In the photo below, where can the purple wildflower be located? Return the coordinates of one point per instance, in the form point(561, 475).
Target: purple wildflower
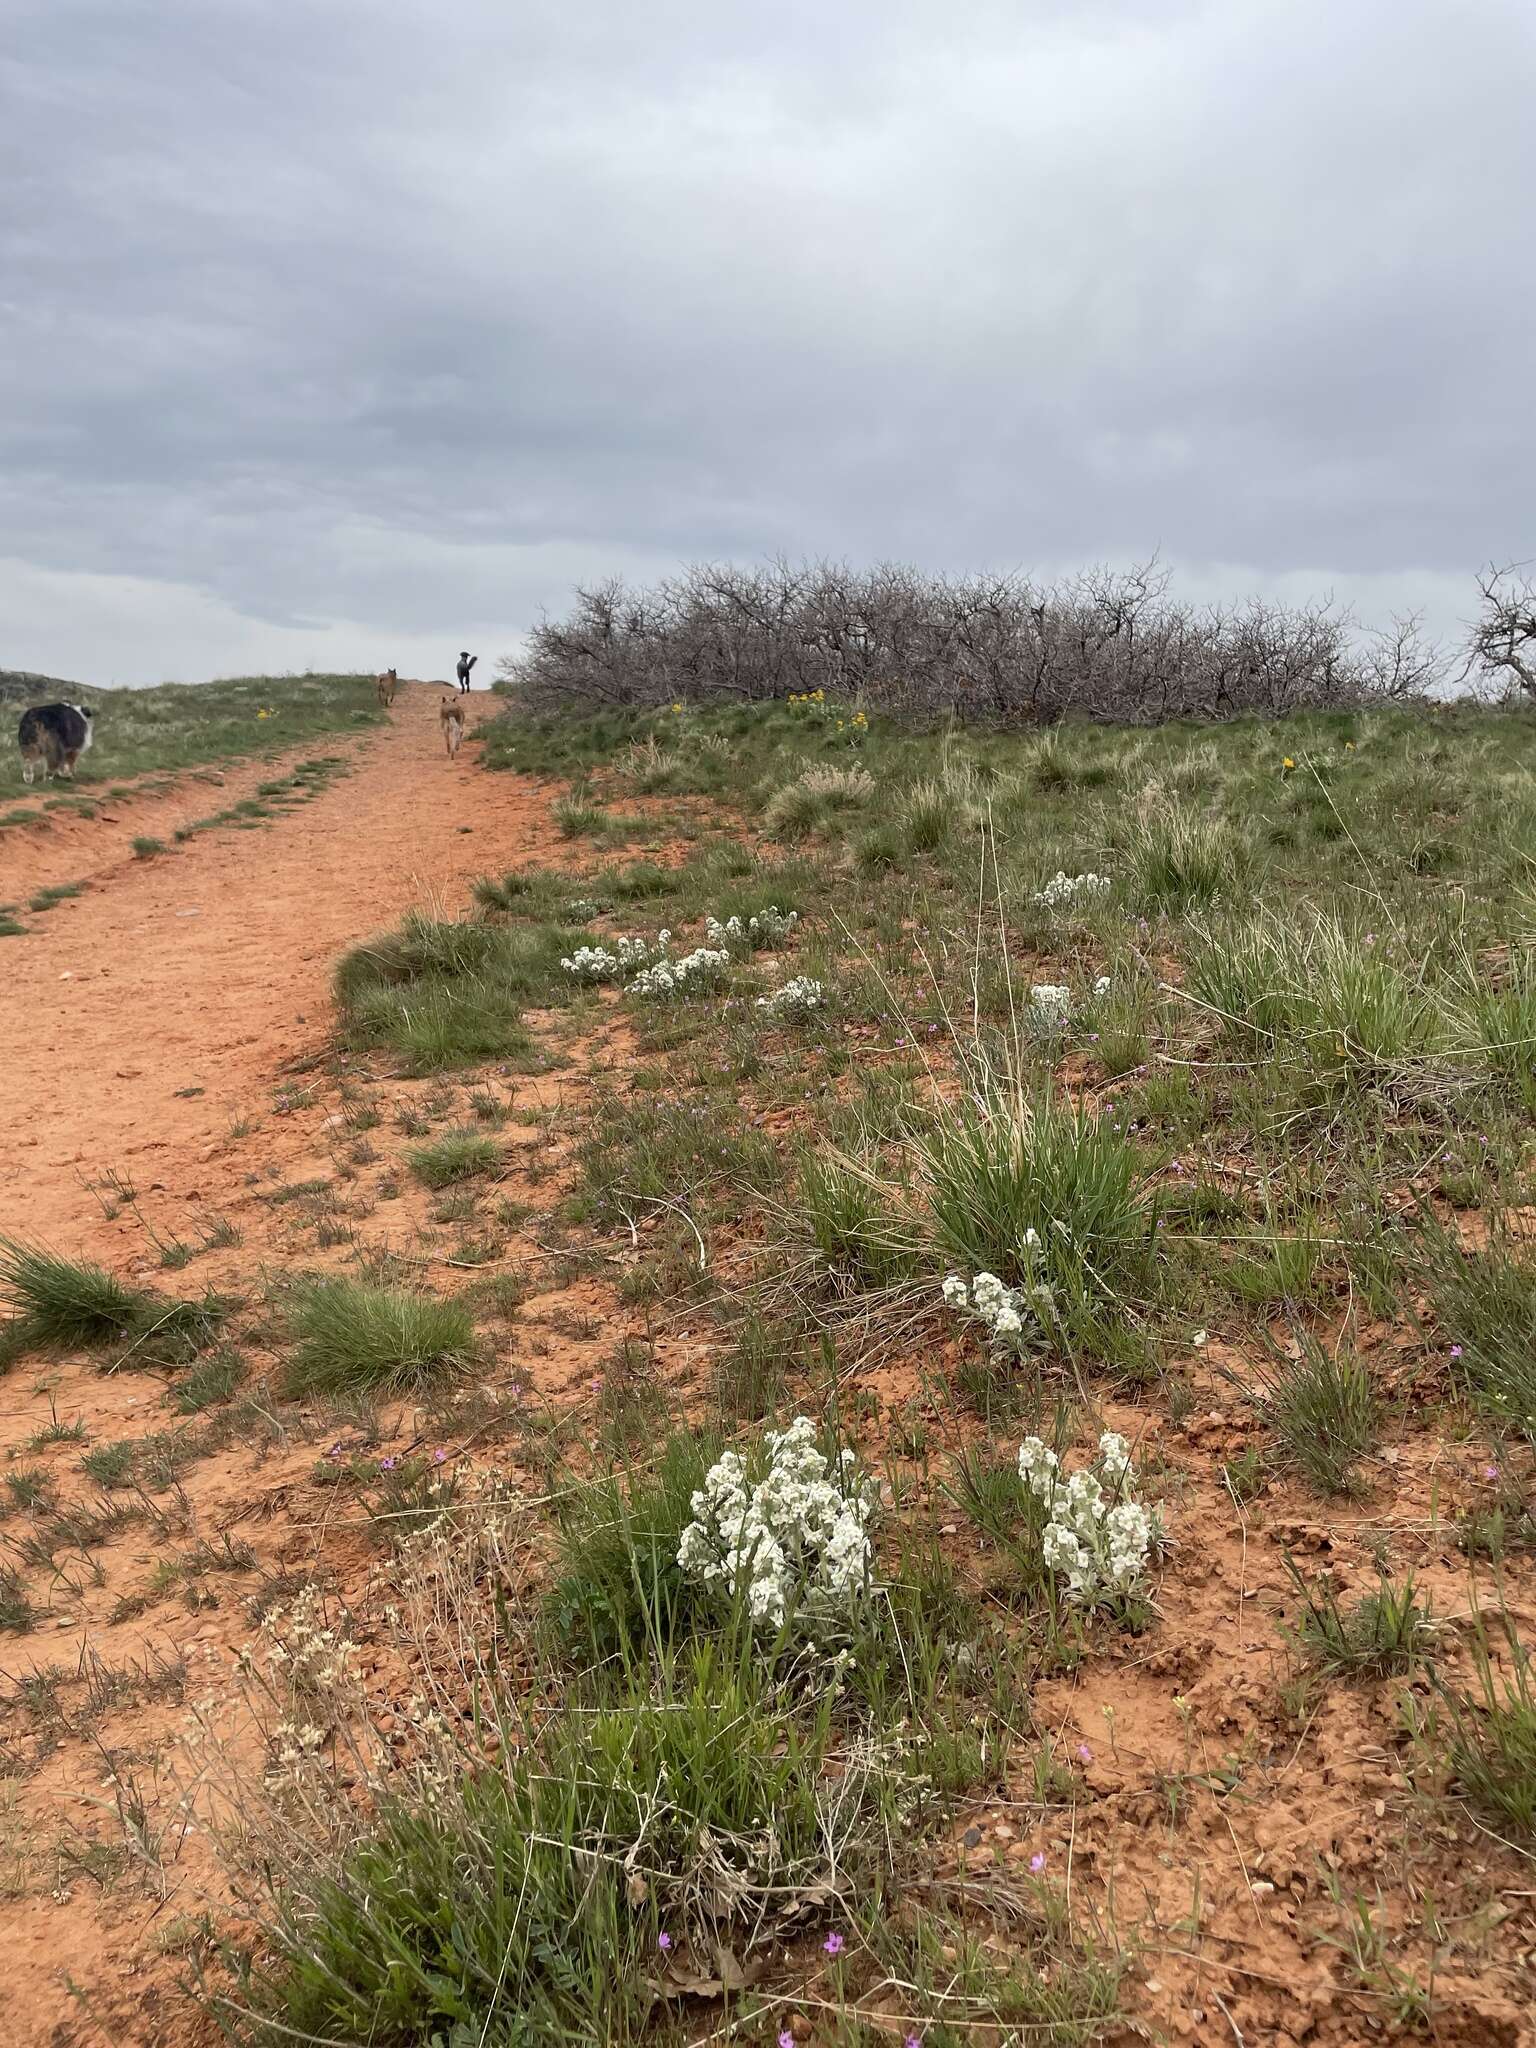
point(663, 1941)
point(833, 1944)
point(1037, 1862)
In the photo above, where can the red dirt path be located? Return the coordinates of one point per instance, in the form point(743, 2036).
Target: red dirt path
point(208, 968)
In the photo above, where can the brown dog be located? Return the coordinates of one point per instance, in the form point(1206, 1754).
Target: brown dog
point(452, 716)
point(385, 685)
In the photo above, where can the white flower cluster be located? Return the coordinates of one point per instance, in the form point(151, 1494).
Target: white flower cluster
point(770, 927)
point(1096, 1537)
point(1050, 1004)
point(794, 1546)
point(1103, 985)
point(602, 963)
point(592, 963)
point(1011, 1316)
point(1064, 889)
point(795, 998)
point(704, 967)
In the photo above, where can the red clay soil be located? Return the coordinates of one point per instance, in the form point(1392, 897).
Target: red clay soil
point(140, 1018)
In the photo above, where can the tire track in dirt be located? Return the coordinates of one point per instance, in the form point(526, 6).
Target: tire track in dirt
point(208, 970)
point(72, 848)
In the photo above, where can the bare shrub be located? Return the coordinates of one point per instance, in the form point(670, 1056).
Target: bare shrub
point(1503, 646)
point(1001, 649)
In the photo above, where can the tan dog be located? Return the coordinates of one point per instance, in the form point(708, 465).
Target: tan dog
point(452, 716)
point(385, 685)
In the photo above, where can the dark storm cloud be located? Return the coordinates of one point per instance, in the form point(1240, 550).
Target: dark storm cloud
point(365, 311)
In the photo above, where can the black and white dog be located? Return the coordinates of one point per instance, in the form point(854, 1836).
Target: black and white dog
point(55, 735)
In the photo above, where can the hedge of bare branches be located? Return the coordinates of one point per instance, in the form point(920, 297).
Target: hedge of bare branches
point(1104, 644)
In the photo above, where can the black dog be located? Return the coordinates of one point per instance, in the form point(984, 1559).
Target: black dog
point(55, 735)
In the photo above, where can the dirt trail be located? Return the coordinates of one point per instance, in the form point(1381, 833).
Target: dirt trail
point(207, 969)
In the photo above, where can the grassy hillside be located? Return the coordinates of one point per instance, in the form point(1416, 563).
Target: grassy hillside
point(1172, 1083)
point(186, 725)
point(1086, 1180)
point(21, 686)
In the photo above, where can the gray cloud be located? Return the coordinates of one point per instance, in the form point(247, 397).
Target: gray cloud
point(369, 325)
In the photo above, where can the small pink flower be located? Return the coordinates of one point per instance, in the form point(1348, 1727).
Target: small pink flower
point(388, 1464)
point(1037, 1862)
point(1085, 1753)
point(439, 1457)
point(786, 2039)
point(1455, 1351)
point(833, 1944)
point(1490, 1471)
point(663, 1942)
point(913, 2041)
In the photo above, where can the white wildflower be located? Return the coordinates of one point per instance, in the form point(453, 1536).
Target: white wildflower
point(1051, 1003)
point(703, 968)
point(592, 964)
point(769, 927)
point(1096, 1536)
point(794, 1547)
point(603, 963)
point(1063, 890)
point(1013, 1317)
point(1103, 985)
point(796, 998)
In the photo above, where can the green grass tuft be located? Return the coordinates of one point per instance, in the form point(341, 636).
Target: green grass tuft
point(1322, 1407)
point(1000, 1165)
point(458, 1155)
point(354, 1338)
point(69, 1302)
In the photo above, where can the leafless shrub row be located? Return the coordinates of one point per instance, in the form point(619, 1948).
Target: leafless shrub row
point(1104, 644)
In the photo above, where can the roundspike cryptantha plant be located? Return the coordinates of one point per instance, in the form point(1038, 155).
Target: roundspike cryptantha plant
point(796, 998)
point(1063, 891)
point(704, 968)
point(612, 963)
point(1097, 1539)
point(1015, 1319)
point(794, 1548)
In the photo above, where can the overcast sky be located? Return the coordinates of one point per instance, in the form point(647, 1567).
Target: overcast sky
point(336, 333)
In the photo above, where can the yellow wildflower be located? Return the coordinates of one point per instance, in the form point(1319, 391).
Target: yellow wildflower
point(1287, 763)
point(677, 707)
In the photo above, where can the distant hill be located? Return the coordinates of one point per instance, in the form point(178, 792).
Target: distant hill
point(19, 686)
